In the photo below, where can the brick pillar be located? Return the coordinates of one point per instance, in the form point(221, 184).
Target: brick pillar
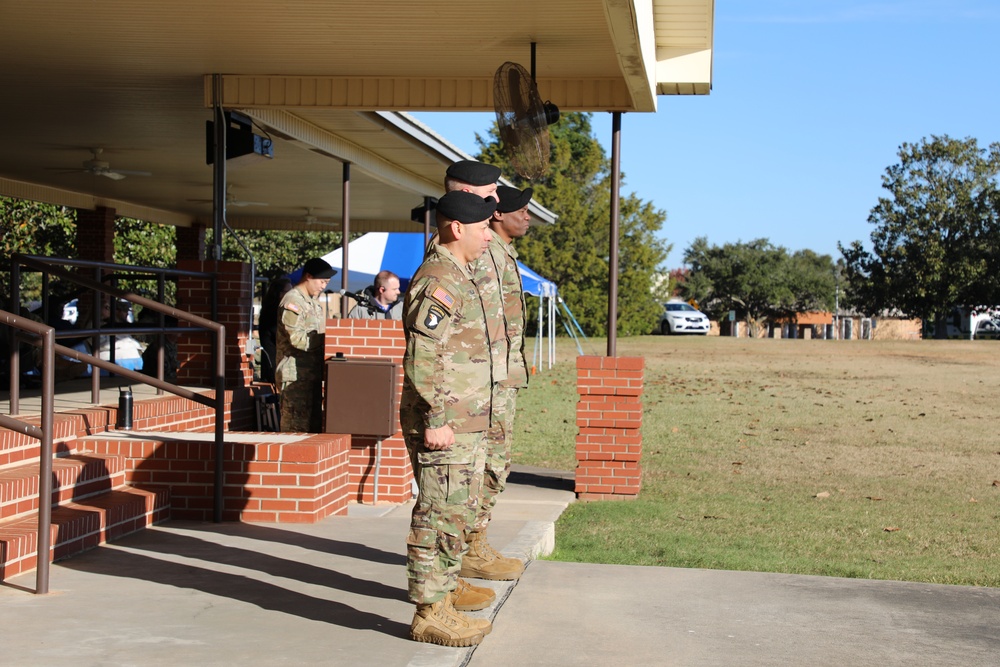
point(235, 299)
point(381, 339)
point(609, 418)
point(95, 234)
point(191, 243)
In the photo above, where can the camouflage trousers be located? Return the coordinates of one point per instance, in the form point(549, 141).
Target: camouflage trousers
point(449, 494)
point(499, 443)
point(300, 406)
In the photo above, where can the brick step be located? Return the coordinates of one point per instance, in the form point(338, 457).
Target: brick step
point(17, 448)
point(273, 477)
point(162, 413)
point(83, 525)
point(76, 477)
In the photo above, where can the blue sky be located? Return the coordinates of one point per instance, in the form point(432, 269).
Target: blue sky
point(811, 100)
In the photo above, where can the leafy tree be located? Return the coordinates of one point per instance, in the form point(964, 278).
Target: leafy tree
point(141, 243)
point(677, 279)
point(35, 228)
point(32, 228)
point(574, 253)
point(276, 253)
point(758, 280)
point(812, 280)
point(935, 240)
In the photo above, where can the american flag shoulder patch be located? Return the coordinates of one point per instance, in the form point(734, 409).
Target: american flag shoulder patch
point(443, 296)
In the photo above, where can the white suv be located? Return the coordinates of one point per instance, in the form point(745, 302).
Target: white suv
point(680, 318)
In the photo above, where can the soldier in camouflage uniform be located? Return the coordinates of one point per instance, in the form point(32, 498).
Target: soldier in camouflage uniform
point(299, 350)
point(445, 414)
point(499, 280)
point(482, 560)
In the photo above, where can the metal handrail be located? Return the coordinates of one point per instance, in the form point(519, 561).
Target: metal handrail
point(54, 266)
point(44, 434)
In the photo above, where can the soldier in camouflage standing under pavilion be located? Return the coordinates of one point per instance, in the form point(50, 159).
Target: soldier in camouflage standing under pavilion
point(299, 350)
point(444, 414)
point(501, 294)
point(499, 282)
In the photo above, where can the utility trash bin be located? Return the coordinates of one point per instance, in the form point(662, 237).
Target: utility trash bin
point(361, 396)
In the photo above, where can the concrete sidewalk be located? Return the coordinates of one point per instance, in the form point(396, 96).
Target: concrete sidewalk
point(333, 593)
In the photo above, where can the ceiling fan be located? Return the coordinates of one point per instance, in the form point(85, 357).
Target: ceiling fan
point(99, 167)
point(311, 219)
point(231, 200)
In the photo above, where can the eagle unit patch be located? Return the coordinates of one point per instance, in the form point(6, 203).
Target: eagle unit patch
point(435, 314)
point(443, 296)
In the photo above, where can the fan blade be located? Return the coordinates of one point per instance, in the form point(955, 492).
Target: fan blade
point(113, 175)
point(129, 172)
point(522, 120)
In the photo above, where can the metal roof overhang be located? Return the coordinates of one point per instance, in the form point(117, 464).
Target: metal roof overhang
point(324, 78)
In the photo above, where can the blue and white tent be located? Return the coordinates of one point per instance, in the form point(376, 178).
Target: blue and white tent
point(402, 253)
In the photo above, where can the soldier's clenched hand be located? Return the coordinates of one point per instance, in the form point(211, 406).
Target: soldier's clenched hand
point(437, 439)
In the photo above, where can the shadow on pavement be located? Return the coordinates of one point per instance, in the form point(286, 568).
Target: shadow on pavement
point(315, 543)
point(128, 564)
point(191, 547)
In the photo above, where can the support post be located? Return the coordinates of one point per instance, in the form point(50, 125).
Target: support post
point(344, 242)
point(218, 169)
point(616, 141)
point(427, 221)
point(609, 421)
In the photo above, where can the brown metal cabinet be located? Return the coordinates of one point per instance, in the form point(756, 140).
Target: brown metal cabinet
point(361, 396)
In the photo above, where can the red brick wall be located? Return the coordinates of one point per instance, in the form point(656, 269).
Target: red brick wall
point(298, 481)
point(95, 234)
point(235, 299)
point(609, 419)
point(374, 339)
point(191, 243)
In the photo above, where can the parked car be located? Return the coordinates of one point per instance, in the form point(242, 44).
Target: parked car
point(974, 323)
point(683, 318)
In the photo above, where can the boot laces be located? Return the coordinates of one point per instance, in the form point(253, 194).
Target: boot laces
point(487, 550)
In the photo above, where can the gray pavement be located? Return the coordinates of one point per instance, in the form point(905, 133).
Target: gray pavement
point(333, 593)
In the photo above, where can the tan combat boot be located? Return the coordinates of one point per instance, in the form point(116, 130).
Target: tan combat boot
point(482, 561)
point(482, 624)
point(439, 623)
point(467, 597)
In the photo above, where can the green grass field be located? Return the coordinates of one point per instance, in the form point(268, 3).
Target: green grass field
point(873, 459)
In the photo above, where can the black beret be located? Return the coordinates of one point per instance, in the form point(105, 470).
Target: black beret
point(474, 173)
point(318, 267)
point(512, 199)
point(465, 207)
